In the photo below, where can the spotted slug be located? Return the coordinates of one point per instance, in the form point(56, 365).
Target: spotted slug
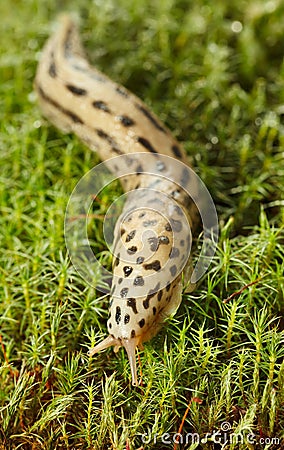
point(153, 234)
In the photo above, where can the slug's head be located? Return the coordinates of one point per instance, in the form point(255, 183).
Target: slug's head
point(130, 347)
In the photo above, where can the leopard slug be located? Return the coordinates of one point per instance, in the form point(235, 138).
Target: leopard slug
point(153, 234)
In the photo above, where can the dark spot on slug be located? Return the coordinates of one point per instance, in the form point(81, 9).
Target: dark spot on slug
point(126, 121)
point(52, 70)
point(146, 144)
point(154, 243)
point(154, 310)
point(110, 140)
point(118, 315)
point(143, 214)
point(132, 250)
point(146, 303)
point(76, 90)
point(130, 236)
point(133, 333)
point(160, 166)
point(153, 292)
point(155, 265)
point(140, 260)
point(159, 296)
point(122, 231)
point(149, 223)
point(124, 292)
point(168, 227)
point(173, 270)
point(141, 323)
point(139, 169)
point(66, 112)
point(120, 280)
point(74, 117)
point(164, 240)
point(131, 302)
point(68, 42)
point(129, 160)
point(139, 281)
point(174, 253)
point(185, 177)
point(99, 104)
point(168, 287)
point(120, 90)
point(117, 260)
point(102, 134)
point(127, 270)
point(150, 117)
point(176, 225)
point(109, 325)
point(182, 242)
point(175, 193)
point(176, 151)
point(150, 295)
point(178, 210)
point(126, 319)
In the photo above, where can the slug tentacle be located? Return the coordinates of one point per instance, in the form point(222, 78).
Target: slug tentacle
point(106, 343)
point(152, 237)
point(130, 346)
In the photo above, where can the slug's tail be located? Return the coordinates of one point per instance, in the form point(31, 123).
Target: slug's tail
point(130, 347)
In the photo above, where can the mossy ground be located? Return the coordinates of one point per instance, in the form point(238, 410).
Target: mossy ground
point(213, 72)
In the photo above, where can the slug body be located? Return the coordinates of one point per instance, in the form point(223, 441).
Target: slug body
point(152, 237)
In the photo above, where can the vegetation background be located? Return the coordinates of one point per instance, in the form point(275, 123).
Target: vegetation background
point(213, 72)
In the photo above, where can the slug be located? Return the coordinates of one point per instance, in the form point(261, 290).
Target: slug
point(153, 235)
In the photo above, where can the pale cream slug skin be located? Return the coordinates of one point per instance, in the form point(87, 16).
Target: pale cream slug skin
point(147, 268)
